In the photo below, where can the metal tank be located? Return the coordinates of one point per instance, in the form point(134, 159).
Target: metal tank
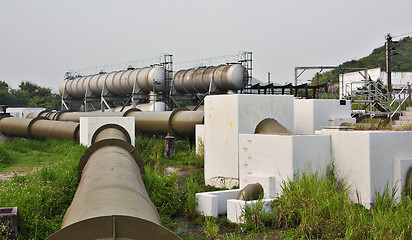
point(225, 78)
point(119, 83)
point(111, 201)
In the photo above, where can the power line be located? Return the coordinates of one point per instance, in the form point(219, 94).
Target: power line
point(409, 33)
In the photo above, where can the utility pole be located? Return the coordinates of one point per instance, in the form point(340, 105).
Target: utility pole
point(268, 78)
point(388, 64)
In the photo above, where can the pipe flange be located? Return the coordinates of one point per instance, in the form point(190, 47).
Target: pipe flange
point(29, 135)
point(112, 125)
point(109, 142)
point(170, 122)
point(76, 133)
point(40, 113)
point(131, 110)
point(56, 117)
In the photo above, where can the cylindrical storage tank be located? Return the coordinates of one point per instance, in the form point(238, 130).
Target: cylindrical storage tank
point(62, 86)
point(119, 83)
point(188, 81)
point(200, 86)
point(97, 82)
point(113, 83)
point(178, 81)
point(147, 77)
point(230, 77)
point(226, 77)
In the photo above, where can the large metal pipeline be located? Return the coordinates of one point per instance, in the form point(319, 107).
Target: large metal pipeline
point(39, 128)
point(119, 83)
point(180, 122)
point(111, 201)
point(225, 77)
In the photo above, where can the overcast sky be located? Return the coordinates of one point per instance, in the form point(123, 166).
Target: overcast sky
point(41, 40)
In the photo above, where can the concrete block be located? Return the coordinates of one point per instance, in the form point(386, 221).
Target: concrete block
point(88, 125)
point(214, 203)
point(370, 160)
point(281, 157)
point(313, 114)
point(23, 112)
point(268, 183)
point(235, 208)
point(200, 132)
point(9, 222)
point(227, 116)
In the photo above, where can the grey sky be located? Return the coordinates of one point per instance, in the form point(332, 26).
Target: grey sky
point(40, 40)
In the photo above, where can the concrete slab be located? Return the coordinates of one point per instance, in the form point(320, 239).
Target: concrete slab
point(235, 208)
point(214, 203)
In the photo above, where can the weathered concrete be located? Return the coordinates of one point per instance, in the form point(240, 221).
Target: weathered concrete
point(227, 116)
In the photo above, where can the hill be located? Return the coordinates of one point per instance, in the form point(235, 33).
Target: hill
point(401, 61)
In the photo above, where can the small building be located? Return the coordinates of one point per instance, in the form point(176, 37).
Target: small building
point(23, 112)
point(350, 82)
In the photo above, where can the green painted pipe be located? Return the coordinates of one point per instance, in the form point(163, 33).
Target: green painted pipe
point(111, 201)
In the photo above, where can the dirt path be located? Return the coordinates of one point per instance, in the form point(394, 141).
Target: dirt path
point(10, 175)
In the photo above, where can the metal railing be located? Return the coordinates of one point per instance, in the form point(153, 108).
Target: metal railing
point(401, 97)
point(368, 97)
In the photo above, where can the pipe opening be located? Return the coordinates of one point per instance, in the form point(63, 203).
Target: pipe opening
point(251, 192)
point(270, 126)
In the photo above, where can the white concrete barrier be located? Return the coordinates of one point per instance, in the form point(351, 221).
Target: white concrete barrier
point(227, 116)
point(214, 203)
point(313, 114)
point(235, 208)
point(280, 157)
point(23, 112)
point(88, 125)
point(371, 160)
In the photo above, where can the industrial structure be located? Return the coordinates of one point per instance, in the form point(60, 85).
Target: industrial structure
point(157, 82)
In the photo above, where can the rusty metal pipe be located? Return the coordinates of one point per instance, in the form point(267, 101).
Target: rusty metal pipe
point(111, 201)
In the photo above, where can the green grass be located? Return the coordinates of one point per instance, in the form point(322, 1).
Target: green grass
point(311, 206)
point(42, 196)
